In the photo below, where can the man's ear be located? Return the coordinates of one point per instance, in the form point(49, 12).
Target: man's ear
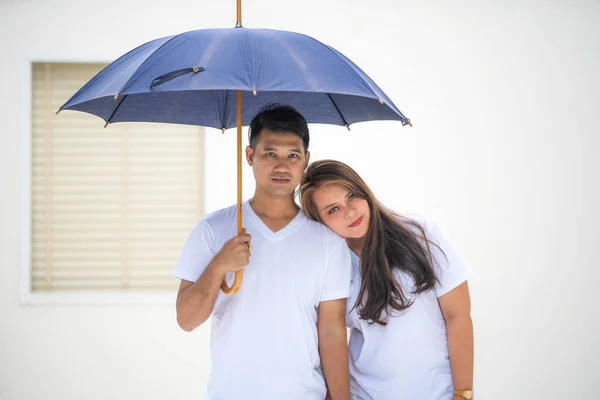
point(306, 159)
point(249, 155)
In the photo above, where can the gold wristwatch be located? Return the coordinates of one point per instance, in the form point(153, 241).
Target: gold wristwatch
point(467, 394)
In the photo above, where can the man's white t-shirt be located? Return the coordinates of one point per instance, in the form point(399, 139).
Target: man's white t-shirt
point(264, 341)
point(408, 358)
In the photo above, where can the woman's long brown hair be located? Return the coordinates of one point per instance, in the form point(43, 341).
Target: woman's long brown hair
point(393, 243)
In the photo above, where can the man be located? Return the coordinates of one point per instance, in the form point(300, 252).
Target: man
point(285, 327)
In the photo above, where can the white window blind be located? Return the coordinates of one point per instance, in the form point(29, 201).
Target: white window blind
point(111, 207)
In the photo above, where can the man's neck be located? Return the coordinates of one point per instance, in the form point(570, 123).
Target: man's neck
point(274, 208)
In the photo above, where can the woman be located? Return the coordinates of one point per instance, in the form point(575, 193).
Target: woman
point(409, 312)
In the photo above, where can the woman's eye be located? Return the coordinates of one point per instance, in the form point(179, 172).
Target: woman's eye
point(352, 196)
point(332, 210)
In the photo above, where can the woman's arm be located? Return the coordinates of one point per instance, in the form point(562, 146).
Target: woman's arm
point(456, 309)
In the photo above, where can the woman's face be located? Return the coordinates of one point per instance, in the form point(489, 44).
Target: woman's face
point(343, 212)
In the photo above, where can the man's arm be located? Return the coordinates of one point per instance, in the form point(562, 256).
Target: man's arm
point(333, 347)
point(456, 308)
point(195, 300)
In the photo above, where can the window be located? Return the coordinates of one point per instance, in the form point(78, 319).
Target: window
point(110, 207)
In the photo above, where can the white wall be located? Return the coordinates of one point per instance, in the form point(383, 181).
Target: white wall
point(504, 97)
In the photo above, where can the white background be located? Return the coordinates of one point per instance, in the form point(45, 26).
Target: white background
point(504, 97)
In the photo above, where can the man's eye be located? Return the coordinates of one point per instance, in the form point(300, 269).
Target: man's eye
point(294, 155)
point(271, 154)
point(332, 210)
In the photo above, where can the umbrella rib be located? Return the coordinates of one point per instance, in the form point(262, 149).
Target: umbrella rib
point(121, 99)
point(358, 71)
point(225, 114)
point(337, 109)
point(111, 66)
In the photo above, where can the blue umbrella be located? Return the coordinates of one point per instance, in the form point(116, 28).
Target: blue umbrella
point(192, 78)
point(203, 77)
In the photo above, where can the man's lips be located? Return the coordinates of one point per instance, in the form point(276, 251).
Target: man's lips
point(356, 223)
point(280, 180)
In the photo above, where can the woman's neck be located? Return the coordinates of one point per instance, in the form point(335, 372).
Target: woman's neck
point(356, 245)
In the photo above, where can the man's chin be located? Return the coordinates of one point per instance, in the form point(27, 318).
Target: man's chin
point(280, 192)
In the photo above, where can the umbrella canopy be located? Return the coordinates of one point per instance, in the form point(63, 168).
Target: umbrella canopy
point(192, 78)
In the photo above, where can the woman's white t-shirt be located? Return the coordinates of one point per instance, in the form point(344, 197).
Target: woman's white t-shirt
point(407, 358)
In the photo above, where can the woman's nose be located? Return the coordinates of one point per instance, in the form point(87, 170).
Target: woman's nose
point(349, 213)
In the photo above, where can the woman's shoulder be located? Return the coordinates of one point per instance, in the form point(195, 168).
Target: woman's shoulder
point(421, 225)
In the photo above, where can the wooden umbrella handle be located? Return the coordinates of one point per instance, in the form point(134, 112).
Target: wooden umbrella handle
point(236, 284)
point(238, 274)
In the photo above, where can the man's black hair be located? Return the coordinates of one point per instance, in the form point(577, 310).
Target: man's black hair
point(281, 119)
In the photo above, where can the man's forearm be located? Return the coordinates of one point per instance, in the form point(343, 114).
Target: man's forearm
point(334, 362)
point(195, 303)
point(460, 348)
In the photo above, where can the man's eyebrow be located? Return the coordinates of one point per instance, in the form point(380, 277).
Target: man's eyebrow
point(295, 150)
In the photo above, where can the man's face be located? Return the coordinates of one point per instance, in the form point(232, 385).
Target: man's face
point(278, 162)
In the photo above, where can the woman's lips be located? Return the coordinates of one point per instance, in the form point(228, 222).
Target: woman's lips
point(356, 223)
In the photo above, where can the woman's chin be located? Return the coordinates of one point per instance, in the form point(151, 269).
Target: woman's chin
point(352, 235)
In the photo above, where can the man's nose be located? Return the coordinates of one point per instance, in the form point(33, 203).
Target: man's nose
point(282, 166)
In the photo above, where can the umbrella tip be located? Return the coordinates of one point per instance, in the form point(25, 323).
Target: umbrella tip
point(254, 92)
point(222, 131)
point(409, 124)
point(57, 111)
point(106, 124)
point(116, 96)
point(348, 127)
point(380, 101)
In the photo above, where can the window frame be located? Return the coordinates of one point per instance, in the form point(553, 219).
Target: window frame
point(27, 296)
